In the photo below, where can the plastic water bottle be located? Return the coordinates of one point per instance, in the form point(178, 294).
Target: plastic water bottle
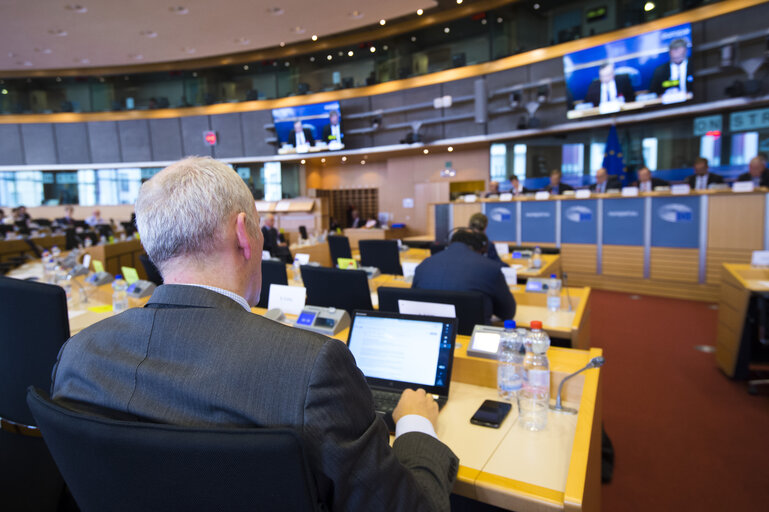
point(534, 398)
point(553, 293)
point(536, 258)
point(55, 252)
point(297, 271)
point(119, 295)
point(510, 362)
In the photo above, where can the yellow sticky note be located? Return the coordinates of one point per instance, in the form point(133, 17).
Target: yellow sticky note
point(101, 309)
point(346, 263)
point(130, 275)
point(97, 266)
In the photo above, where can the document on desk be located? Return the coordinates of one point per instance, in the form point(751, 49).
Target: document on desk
point(415, 307)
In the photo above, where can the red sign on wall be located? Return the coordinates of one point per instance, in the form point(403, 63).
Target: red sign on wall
point(210, 138)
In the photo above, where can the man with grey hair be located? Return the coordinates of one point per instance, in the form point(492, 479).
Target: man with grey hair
point(196, 355)
point(757, 172)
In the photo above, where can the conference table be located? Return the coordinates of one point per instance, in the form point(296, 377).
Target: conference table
point(11, 248)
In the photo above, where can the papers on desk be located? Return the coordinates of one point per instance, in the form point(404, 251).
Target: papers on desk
point(502, 248)
point(511, 275)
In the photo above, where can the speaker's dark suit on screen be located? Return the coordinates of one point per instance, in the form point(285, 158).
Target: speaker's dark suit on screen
point(624, 89)
point(307, 137)
point(192, 356)
point(460, 268)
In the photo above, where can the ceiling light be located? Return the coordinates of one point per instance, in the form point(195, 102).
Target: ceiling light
point(275, 63)
point(58, 79)
point(344, 159)
point(341, 53)
point(323, 160)
point(194, 74)
point(459, 1)
point(314, 37)
point(242, 40)
point(4, 91)
point(413, 39)
point(275, 11)
point(500, 20)
point(149, 33)
point(329, 57)
point(363, 162)
point(372, 49)
point(420, 12)
point(178, 9)
point(350, 53)
point(382, 22)
point(46, 51)
point(302, 162)
point(425, 151)
point(649, 6)
point(356, 15)
point(189, 50)
point(484, 21)
point(245, 67)
point(57, 32)
point(282, 44)
point(446, 30)
point(450, 149)
point(76, 8)
point(312, 59)
point(536, 7)
point(385, 47)
point(287, 64)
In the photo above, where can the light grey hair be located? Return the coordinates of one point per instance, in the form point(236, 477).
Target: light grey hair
point(184, 209)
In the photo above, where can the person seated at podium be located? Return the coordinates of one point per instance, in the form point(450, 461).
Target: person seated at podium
point(646, 183)
point(478, 223)
point(702, 179)
point(204, 359)
point(275, 242)
point(516, 187)
point(332, 131)
point(609, 87)
point(95, 219)
point(300, 136)
point(373, 223)
point(68, 219)
point(604, 182)
point(463, 267)
point(493, 190)
point(556, 187)
point(757, 172)
point(355, 219)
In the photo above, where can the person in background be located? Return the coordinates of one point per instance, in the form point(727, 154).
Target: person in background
point(757, 172)
point(355, 220)
point(68, 219)
point(610, 87)
point(604, 182)
point(332, 131)
point(21, 215)
point(95, 219)
point(493, 189)
point(274, 241)
point(204, 359)
point(556, 187)
point(702, 179)
point(478, 223)
point(300, 136)
point(462, 267)
point(646, 183)
point(333, 225)
point(372, 223)
point(673, 75)
point(516, 187)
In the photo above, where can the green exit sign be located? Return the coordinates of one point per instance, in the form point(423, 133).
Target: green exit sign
point(596, 14)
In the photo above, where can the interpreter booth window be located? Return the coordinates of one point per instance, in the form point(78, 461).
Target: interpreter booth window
point(573, 159)
point(60, 187)
point(597, 150)
point(744, 147)
point(710, 149)
point(86, 187)
point(21, 188)
point(498, 170)
point(649, 149)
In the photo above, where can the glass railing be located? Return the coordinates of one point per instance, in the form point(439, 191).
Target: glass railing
point(483, 37)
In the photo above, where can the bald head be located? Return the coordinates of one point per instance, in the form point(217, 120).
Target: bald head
point(600, 175)
point(757, 166)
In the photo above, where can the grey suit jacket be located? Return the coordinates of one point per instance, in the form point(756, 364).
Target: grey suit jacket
point(195, 357)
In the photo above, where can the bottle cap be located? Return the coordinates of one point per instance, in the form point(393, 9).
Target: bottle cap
point(553, 276)
point(118, 277)
point(536, 324)
point(509, 324)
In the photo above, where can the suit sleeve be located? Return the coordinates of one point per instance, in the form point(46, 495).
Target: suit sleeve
point(348, 446)
point(502, 300)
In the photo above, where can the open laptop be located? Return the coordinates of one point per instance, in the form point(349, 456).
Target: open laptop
point(397, 352)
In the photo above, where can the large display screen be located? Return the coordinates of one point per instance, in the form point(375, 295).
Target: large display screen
point(629, 74)
point(309, 128)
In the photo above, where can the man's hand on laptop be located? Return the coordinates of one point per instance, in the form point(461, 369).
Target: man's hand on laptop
point(417, 402)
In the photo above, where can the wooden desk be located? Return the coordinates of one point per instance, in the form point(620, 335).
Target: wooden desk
point(738, 283)
point(319, 253)
point(14, 248)
point(357, 234)
point(117, 255)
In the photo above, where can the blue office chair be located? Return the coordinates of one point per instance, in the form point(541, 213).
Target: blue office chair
point(337, 288)
point(273, 272)
point(382, 254)
point(35, 325)
point(339, 247)
point(112, 463)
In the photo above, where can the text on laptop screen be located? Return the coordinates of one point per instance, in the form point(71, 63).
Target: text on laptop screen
point(412, 351)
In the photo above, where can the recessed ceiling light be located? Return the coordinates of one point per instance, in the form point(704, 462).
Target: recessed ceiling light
point(350, 53)
point(323, 160)
point(363, 162)
point(382, 22)
point(459, 1)
point(194, 74)
point(450, 149)
point(275, 11)
point(282, 44)
point(536, 7)
point(484, 21)
point(4, 91)
point(446, 30)
point(500, 20)
point(341, 53)
point(372, 49)
point(80, 9)
point(314, 37)
point(189, 50)
point(245, 67)
point(287, 64)
point(649, 6)
point(149, 33)
point(298, 30)
point(413, 39)
point(344, 159)
point(312, 59)
point(302, 162)
point(275, 63)
point(420, 12)
point(425, 151)
point(329, 57)
point(57, 32)
point(242, 40)
point(58, 79)
point(385, 47)
point(179, 9)
point(356, 15)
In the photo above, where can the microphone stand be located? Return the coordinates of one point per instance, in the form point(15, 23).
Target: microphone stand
point(565, 287)
point(596, 362)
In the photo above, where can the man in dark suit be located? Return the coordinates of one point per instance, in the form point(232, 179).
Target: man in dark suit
point(646, 183)
point(757, 172)
point(274, 243)
point(604, 182)
point(332, 131)
point(556, 187)
point(196, 355)
point(610, 87)
point(675, 75)
point(516, 188)
point(462, 267)
point(702, 179)
point(300, 136)
point(478, 223)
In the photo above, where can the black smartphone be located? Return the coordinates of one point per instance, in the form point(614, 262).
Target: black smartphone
point(491, 413)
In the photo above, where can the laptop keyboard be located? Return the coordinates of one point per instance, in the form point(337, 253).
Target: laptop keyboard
point(385, 401)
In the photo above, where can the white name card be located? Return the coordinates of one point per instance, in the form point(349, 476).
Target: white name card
point(583, 193)
point(629, 191)
point(760, 259)
point(542, 194)
point(511, 275)
point(87, 261)
point(743, 186)
point(681, 189)
point(471, 198)
point(414, 307)
point(289, 299)
point(609, 107)
point(301, 258)
point(409, 268)
point(507, 196)
point(502, 248)
point(266, 255)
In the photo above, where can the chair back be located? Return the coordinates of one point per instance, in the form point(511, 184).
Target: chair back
point(121, 465)
point(436, 247)
point(337, 288)
point(273, 272)
point(382, 254)
point(35, 325)
point(153, 274)
point(470, 306)
point(339, 247)
point(303, 232)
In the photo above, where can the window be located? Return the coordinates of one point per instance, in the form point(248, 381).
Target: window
point(649, 148)
point(498, 171)
point(272, 186)
point(573, 159)
point(597, 150)
point(710, 148)
point(744, 147)
point(519, 161)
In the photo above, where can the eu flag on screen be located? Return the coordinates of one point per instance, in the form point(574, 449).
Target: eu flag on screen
point(612, 156)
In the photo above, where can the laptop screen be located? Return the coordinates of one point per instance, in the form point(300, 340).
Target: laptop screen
point(403, 351)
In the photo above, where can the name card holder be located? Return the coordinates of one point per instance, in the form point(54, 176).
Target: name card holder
point(542, 195)
point(629, 191)
point(507, 196)
point(681, 189)
point(583, 193)
point(760, 259)
point(289, 299)
point(743, 186)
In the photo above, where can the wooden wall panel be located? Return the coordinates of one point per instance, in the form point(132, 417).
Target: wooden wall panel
point(463, 212)
point(579, 258)
point(679, 265)
point(736, 221)
point(717, 257)
point(622, 261)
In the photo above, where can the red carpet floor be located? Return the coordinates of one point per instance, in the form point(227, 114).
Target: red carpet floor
point(685, 436)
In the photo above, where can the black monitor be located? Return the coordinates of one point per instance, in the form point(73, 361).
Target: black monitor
point(332, 287)
point(104, 230)
point(382, 254)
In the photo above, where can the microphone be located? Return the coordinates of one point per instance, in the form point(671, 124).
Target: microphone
point(564, 277)
point(596, 362)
